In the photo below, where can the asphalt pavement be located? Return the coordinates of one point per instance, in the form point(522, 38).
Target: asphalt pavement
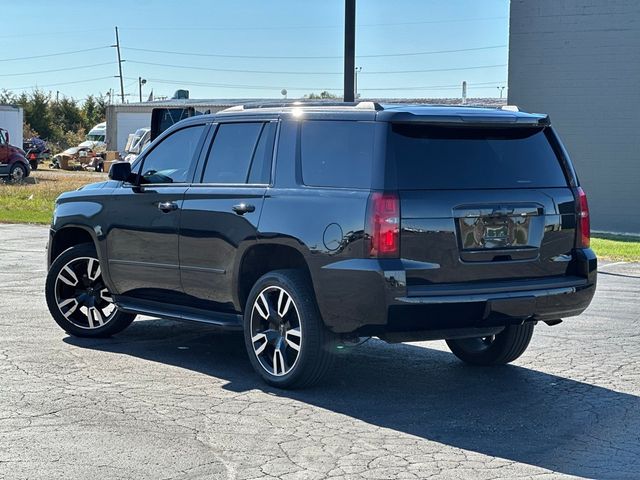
point(167, 400)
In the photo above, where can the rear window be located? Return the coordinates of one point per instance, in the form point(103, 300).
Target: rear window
point(437, 157)
point(337, 153)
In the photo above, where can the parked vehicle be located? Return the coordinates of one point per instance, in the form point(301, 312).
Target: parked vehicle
point(96, 138)
point(310, 226)
point(14, 167)
point(36, 151)
point(83, 154)
point(12, 120)
point(136, 142)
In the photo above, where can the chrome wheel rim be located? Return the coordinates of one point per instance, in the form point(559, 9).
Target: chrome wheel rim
point(81, 295)
point(276, 331)
point(17, 174)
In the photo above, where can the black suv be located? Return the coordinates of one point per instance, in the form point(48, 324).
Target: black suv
point(311, 226)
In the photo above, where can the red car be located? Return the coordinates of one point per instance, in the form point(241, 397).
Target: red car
point(13, 164)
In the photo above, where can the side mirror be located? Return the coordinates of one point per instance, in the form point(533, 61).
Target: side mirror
point(120, 171)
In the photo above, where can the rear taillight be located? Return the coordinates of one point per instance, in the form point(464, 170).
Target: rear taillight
point(583, 237)
point(383, 216)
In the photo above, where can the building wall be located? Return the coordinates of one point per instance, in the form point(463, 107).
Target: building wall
point(579, 61)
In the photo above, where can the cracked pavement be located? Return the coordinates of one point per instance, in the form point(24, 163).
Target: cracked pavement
point(166, 400)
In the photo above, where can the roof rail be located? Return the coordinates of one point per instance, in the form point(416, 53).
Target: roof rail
point(305, 103)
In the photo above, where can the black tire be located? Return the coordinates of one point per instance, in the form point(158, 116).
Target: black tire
point(314, 356)
point(17, 173)
point(499, 349)
point(88, 293)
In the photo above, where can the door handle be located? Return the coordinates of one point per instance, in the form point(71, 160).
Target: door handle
point(243, 208)
point(167, 207)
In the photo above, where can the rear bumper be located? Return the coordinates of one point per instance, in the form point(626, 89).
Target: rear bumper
point(370, 296)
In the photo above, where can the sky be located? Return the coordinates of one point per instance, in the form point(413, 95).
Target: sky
point(254, 48)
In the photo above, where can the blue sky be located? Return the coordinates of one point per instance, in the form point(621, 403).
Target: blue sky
point(470, 34)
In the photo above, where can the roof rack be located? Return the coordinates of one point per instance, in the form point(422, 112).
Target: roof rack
point(304, 103)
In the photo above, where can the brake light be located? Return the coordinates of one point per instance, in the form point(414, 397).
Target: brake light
point(384, 224)
point(584, 225)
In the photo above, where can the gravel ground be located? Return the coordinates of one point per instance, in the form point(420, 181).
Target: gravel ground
point(177, 400)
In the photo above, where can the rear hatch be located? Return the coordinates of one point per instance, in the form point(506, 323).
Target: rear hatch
point(486, 203)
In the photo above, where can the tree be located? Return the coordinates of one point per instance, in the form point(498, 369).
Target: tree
point(93, 110)
point(63, 123)
point(37, 113)
point(324, 95)
point(67, 116)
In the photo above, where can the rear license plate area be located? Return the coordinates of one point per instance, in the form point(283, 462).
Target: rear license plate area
point(488, 233)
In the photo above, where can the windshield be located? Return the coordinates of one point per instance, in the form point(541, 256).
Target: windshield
point(95, 138)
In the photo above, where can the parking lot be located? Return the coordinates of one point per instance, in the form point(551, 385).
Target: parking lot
point(177, 400)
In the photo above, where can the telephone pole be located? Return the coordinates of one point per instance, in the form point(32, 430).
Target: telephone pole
point(349, 50)
point(117, 45)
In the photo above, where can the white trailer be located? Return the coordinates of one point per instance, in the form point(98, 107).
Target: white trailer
point(11, 119)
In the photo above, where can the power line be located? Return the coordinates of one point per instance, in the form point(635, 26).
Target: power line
point(315, 57)
point(297, 27)
point(54, 33)
point(52, 54)
point(59, 84)
point(272, 87)
point(297, 72)
point(56, 70)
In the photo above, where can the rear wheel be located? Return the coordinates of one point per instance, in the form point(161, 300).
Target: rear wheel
point(287, 342)
point(498, 349)
point(77, 297)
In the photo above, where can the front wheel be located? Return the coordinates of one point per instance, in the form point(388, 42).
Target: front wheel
point(287, 342)
point(17, 173)
point(498, 349)
point(77, 297)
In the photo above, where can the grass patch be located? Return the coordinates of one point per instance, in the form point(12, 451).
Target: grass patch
point(616, 247)
point(33, 203)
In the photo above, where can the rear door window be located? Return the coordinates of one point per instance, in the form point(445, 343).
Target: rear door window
point(241, 153)
point(443, 157)
point(337, 153)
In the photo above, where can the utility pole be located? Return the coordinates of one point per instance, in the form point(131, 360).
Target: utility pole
point(349, 50)
point(501, 89)
point(141, 81)
point(355, 86)
point(117, 45)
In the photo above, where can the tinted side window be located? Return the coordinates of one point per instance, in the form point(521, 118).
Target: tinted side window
point(261, 164)
point(437, 157)
point(171, 160)
point(337, 153)
point(230, 156)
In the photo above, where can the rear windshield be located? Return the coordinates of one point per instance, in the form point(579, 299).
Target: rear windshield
point(437, 157)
